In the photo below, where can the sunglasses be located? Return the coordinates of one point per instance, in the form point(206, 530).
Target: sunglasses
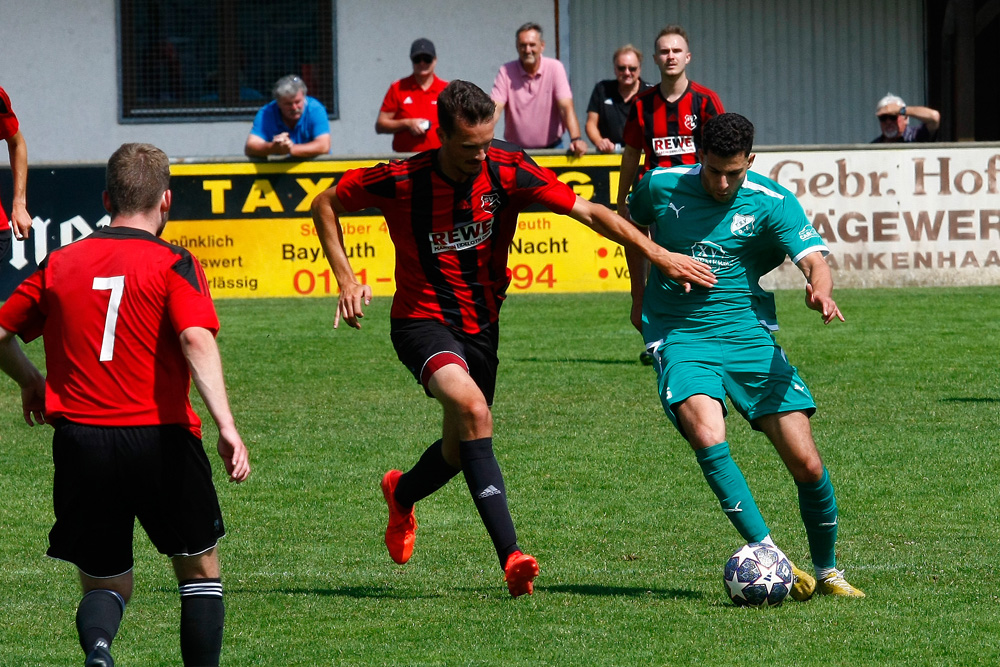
point(888, 116)
point(421, 59)
point(622, 68)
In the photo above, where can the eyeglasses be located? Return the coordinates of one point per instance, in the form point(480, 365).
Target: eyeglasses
point(887, 116)
point(630, 68)
point(425, 59)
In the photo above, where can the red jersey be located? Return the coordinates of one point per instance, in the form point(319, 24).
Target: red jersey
point(452, 239)
point(406, 99)
point(669, 133)
point(110, 308)
point(8, 128)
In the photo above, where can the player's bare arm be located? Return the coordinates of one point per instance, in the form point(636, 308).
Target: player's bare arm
point(14, 363)
point(202, 354)
point(17, 148)
point(819, 288)
point(326, 209)
point(638, 269)
point(682, 269)
point(626, 175)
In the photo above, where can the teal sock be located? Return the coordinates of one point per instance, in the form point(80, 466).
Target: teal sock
point(818, 507)
point(730, 487)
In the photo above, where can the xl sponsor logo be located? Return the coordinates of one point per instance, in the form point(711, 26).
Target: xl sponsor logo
point(666, 146)
point(461, 238)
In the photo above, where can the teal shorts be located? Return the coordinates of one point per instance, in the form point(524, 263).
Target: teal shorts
point(749, 367)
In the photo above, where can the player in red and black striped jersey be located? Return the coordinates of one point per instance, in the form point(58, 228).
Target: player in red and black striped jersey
point(127, 322)
point(451, 213)
point(666, 121)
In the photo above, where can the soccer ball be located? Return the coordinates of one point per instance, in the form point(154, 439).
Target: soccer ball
point(758, 575)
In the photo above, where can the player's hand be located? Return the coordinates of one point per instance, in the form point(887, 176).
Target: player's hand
point(349, 305)
point(33, 403)
point(234, 454)
point(605, 145)
point(684, 270)
point(635, 317)
point(824, 304)
point(20, 222)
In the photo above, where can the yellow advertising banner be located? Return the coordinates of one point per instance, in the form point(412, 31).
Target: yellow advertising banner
point(278, 257)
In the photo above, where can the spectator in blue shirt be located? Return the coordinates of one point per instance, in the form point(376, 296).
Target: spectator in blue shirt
point(293, 124)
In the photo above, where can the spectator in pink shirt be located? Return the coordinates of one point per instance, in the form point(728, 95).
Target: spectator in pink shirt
point(534, 94)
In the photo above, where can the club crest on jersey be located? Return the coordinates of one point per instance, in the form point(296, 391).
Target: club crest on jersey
point(666, 146)
point(490, 202)
point(468, 236)
point(691, 121)
point(712, 254)
point(742, 225)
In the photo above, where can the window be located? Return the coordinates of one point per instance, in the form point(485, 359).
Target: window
point(205, 59)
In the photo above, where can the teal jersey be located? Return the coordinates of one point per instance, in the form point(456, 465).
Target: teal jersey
point(740, 241)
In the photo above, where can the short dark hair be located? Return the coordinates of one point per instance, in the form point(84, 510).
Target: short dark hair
point(672, 29)
point(137, 176)
point(461, 99)
point(727, 135)
point(526, 27)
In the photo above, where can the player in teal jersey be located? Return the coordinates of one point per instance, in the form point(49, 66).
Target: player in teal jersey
point(712, 342)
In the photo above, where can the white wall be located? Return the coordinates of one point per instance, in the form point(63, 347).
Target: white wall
point(60, 70)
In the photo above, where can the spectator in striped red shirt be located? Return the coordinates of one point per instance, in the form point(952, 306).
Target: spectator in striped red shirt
point(665, 122)
point(451, 213)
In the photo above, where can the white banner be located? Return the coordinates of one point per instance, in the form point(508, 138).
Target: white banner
point(897, 217)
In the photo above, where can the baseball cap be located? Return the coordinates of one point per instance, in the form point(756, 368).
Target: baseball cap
point(887, 100)
point(422, 47)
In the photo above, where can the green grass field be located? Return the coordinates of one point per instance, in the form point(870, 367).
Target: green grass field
point(605, 494)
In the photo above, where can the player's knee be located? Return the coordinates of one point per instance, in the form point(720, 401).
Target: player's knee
point(807, 471)
point(475, 412)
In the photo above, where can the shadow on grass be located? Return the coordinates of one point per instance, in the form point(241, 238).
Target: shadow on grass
point(358, 592)
point(600, 362)
point(622, 591)
point(970, 399)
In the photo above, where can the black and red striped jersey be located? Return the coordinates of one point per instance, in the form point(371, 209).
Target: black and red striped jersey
point(110, 308)
point(452, 238)
point(669, 133)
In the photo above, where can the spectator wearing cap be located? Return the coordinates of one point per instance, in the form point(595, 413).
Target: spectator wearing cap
point(534, 96)
point(292, 124)
point(894, 120)
point(409, 110)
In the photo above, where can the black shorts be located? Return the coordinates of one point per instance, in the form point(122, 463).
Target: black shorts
point(106, 477)
point(425, 345)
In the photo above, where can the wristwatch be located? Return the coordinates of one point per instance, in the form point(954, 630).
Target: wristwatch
point(572, 139)
point(902, 110)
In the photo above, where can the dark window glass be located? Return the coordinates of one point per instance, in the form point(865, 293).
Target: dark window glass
point(197, 59)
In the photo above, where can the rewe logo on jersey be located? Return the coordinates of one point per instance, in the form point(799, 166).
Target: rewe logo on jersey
point(691, 121)
point(461, 238)
point(665, 146)
point(742, 225)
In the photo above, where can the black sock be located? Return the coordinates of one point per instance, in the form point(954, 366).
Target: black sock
point(482, 474)
point(429, 474)
point(98, 617)
point(203, 614)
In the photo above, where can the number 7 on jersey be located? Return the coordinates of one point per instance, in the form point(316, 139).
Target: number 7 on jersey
point(117, 286)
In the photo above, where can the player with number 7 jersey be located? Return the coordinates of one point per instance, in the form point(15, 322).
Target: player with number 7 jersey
point(110, 307)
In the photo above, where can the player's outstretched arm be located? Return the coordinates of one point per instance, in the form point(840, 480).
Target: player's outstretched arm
point(17, 148)
point(819, 286)
point(202, 354)
point(14, 363)
point(353, 295)
point(682, 269)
